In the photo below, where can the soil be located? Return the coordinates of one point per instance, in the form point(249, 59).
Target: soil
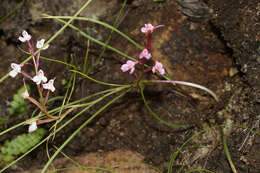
point(212, 43)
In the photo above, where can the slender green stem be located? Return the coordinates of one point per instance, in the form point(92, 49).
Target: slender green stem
point(72, 87)
point(58, 61)
point(94, 80)
point(228, 154)
point(86, 59)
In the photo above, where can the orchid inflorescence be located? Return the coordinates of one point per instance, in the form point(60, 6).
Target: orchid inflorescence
point(39, 79)
point(146, 54)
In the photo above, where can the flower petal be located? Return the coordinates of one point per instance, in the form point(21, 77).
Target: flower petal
point(22, 39)
point(13, 73)
point(32, 127)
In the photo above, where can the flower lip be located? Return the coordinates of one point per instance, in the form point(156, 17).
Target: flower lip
point(16, 69)
point(49, 85)
point(39, 78)
point(130, 65)
point(40, 44)
point(25, 36)
point(145, 54)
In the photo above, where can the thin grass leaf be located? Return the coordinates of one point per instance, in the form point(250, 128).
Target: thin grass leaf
point(12, 11)
point(86, 59)
point(99, 82)
point(58, 61)
point(188, 84)
point(228, 154)
point(72, 87)
point(48, 154)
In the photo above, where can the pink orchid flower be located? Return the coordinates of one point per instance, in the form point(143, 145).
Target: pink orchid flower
point(159, 67)
point(149, 28)
point(130, 65)
point(145, 54)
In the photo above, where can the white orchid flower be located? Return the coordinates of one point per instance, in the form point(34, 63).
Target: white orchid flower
point(40, 44)
point(16, 69)
point(39, 78)
point(49, 85)
point(25, 37)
